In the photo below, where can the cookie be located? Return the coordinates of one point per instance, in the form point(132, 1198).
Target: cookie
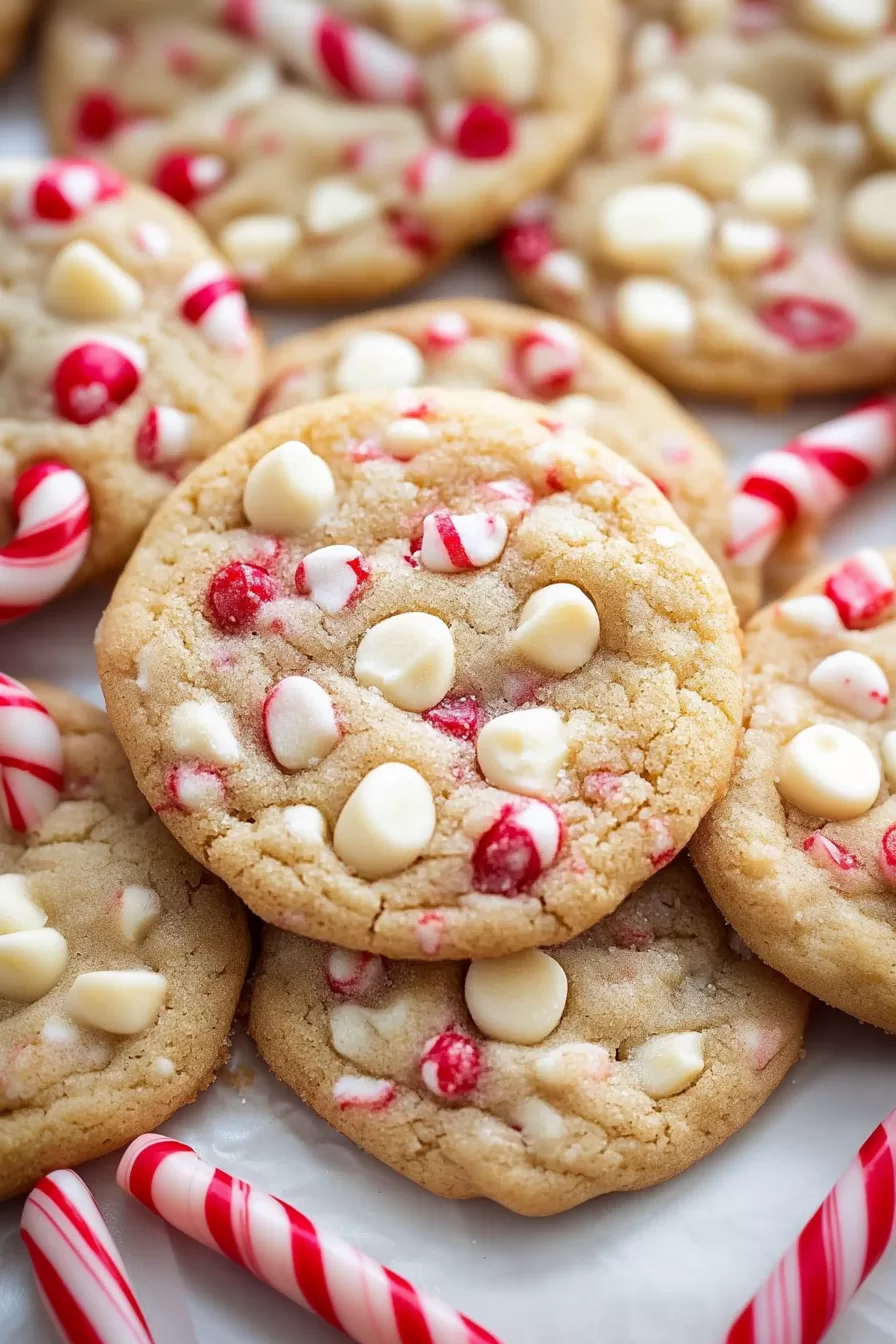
point(126, 355)
point(121, 961)
point(333, 152)
point(729, 229)
point(800, 855)
point(488, 344)
point(14, 15)
point(411, 671)
point(542, 1079)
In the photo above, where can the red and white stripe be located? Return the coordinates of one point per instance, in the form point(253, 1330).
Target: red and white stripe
point(833, 1255)
point(30, 757)
point(51, 508)
point(210, 298)
point(283, 1248)
point(80, 1275)
point(62, 191)
point(810, 478)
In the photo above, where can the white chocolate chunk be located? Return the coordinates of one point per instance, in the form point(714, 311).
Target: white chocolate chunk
point(255, 244)
point(580, 409)
point(537, 1121)
point(200, 729)
point(335, 205)
point(881, 117)
point(888, 752)
point(355, 1031)
point(869, 216)
point(86, 285)
point(558, 630)
point(852, 681)
point(289, 490)
point(523, 751)
point(746, 245)
point(406, 437)
point(378, 361)
point(813, 614)
point(570, 1062)
point(845, 20)
point(387, 822)
point(653, 225)
point(828, 772)
point(739, 106)
point(409, 658)
point(31, 963)
point(500, 60)
point(139, 911)
point(163, 1067)
point(519, 999)
point(121, 1002)
point(18, 913)
point(654, 314)
point(300, 723)
point(457, 541)
point(713, 155)
point(305, 823)
point(667, 1065)
point(783, 192)
point(851, 80)
point(652, 45)
point(564, 271)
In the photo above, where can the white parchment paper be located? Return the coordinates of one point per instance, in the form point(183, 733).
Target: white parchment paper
point(668, 1266)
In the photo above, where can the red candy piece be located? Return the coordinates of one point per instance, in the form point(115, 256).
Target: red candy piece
point(808, 324)
point(98, 116)
point(522, 841)
point(67, 189)
point(413, 233)
point(525, 245)
point(352, 973)
point(886, 855)
point(483, 130)
point(861, 590)
point(828, 854)
point(186, 178)
point(237, 592)
point(451, 1064)
point(95, 378)
point(458, 716)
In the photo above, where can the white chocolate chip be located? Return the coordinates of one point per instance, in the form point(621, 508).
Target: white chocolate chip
point(852, 681)
point(255, 244)
point(121, 1002)
point(289, 490)
point(409, 658)
point(845, 20)
point(378, 361)
point(335, 205)
point(852, 80)
point(86, 285)
point(406, 437)
point(713, 155)
point(200, 729)
point(356, 1031)
point(746, 245)
point(18, 913)
point(666, 537)
point(738, 106)
point(387, 822)
point(558, 630)
point(139, 911)
point(163, 1067)
point(457, 541)
point(783, 192)
point(563, 271)
point(828, 772)
point(305, 823)
point(654, 225)
point(523, 751)
point(813, 614)
point(571, 1062)
point(869, 217)
point(653, 44)
point(888, 752)
point(654, 314)
point(667, 1065)
point(519, 999)
point(31, 963)
point(581, 410)
point(300, 723)
point(500, 60)
point(538, 1121)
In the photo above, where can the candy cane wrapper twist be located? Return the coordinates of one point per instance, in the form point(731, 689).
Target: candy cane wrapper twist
point(284, 1249)
point(833, 1255)
point(30, 757)
point(810, 478)
point(80, 1275)
point(52, 512)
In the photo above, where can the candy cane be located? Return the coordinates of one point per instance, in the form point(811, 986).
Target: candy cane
point(52, 512)
point(80, 1275)
point(283, 1248)
point(810, 478)
point(30, 757)
point(833, 1255)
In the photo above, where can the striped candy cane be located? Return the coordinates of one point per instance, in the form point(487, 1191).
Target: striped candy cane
point(80, 1276)
point(52, 511)
point(833, 1255)
point(810, 478)
point(30, 757)
point(283, 1248)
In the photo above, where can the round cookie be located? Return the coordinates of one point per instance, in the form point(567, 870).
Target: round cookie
point(410, 671)
point(538, 1080)
point(488, 344)
point(125, 347)
point(14, 15)
point(800, 854)
point(126, 960)
point(731, 230)
point(335, 152)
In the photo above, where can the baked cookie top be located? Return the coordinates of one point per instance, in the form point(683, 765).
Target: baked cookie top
point(411, 671)
point(336, 151)
point(800, 854)
point(487, 344)
point(121, 961)
point(541, 1079)
point(125, 346)
point(14, 15)
point(732, 228)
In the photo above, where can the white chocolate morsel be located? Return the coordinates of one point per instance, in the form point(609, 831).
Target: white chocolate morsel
point(31, 963)
point(255, 244)
point(86, 285)
point(888, 753)
point(564, 271)
point(571, 1062)
point(499, 60)
point(121, 1002)
point(714, 156)
point(880, 116)
point(18, 913)
point(420, 23)
point(869, 218)
point(457, 541)
point(852, 681)
point(335, 205)
point(305, 823)
point(845, 20)
point(654, 314)
point(409, 658)
point(406, 437)
point(667, 1065)
point(828, 772)
point(537, 1121)
point(201, 729)
point(653, 43)
point(580, 409)
point(139, 911)
point(519, 999)
point(300, 723)
point(523, 751)
point(558, 630)
point(812, 614)
point(738, 106)
point(289, 490)
point(387, 822)
point(356, 1030)
point(654, 225)
point(782, 192)
point(163, 1067)
point(746, 245)
point(377, 361)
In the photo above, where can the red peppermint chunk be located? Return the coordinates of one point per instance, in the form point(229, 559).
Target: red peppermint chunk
point(808, 324)
point(359, 1093)
point(446, 331)
point(236, 594)
point(827, 853)
point(451, 1064)
point(98, 116)
point(479, 130)
point(522, 841)
point(64, 191)
point(862, 589)
point(163, 437)
point(524, 245)
point(211, 299)
point(547, 358)
point(459, 716)
point(886, 855)
point(332, 576)
point(93, 379)
point(352, 973)
point(413, 233)
point(186, 178)
point(453, 542)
